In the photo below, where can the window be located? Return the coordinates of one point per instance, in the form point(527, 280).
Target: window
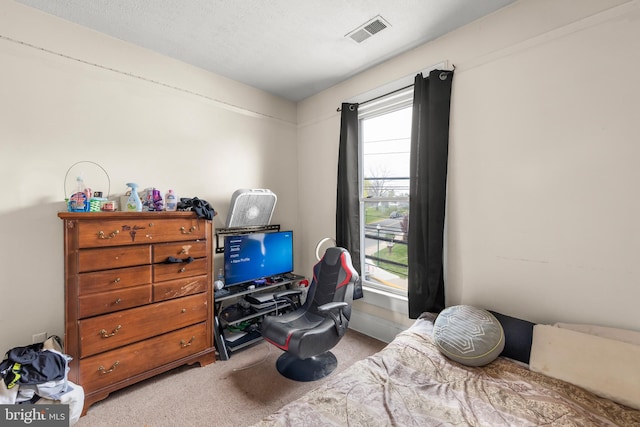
point(385, 132)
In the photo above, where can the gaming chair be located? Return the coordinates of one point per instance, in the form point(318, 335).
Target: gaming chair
point(308, 333)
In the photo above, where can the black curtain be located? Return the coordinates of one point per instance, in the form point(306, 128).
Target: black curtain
point(347, 204)
point(427, 192)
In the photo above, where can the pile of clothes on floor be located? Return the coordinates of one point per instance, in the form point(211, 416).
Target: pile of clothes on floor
point(37, 374)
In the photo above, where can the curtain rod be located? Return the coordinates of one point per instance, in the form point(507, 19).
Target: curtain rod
point(387, 94)
point(378, 97)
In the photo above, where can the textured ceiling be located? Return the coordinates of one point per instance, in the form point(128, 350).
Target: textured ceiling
point(290, 48)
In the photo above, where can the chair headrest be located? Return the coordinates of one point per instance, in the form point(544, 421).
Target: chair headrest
point(332, 255)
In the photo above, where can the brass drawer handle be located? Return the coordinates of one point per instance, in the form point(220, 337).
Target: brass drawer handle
point(111, 235)
point(191, 230)
point(117, 280)
point(118, 301)
point(183, 269)
point(104, 334)
point(187, 344)
point(103, 371)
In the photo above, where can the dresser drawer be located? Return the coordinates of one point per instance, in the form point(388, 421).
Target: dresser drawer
point(107, 258)
point(179, 270)
point(114, 232)
point(180, 250)
point(121, 364)
point(179, 288)
point(106, 332)
point(110, 280)
point(107, 302)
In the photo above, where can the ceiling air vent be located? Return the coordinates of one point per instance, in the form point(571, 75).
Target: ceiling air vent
point(368, 29)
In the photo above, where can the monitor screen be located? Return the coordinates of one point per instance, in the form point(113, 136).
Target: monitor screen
point(255, 256)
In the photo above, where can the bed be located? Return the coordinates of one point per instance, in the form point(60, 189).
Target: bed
point(412, 383)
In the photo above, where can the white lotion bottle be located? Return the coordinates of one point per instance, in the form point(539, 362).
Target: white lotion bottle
point(170, 201)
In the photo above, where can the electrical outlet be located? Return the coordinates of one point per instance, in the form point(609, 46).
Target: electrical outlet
point(39, 337)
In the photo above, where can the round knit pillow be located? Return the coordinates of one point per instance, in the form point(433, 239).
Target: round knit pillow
point(468, 335)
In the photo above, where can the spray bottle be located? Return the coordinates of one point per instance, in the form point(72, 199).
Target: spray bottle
point(134, 204)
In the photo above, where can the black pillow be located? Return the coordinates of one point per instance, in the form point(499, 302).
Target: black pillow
point(518, 335)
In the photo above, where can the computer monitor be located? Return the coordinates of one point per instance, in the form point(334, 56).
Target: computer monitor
point(256, 256)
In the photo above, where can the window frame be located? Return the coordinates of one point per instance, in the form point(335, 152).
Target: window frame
point(386, 104)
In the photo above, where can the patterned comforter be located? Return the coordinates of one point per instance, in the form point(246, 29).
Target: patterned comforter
point(410, 383)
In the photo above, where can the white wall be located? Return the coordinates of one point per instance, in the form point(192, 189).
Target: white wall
point(68, 94)
point(542, 204)
point(543, 207)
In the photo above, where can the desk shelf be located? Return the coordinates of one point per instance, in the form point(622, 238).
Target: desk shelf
point(254, 313)
point(236, 292)
point(245, 341)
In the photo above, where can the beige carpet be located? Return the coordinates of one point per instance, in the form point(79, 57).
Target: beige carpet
point(237, 392)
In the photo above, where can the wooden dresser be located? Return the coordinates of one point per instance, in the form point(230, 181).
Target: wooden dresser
point(130, 314)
